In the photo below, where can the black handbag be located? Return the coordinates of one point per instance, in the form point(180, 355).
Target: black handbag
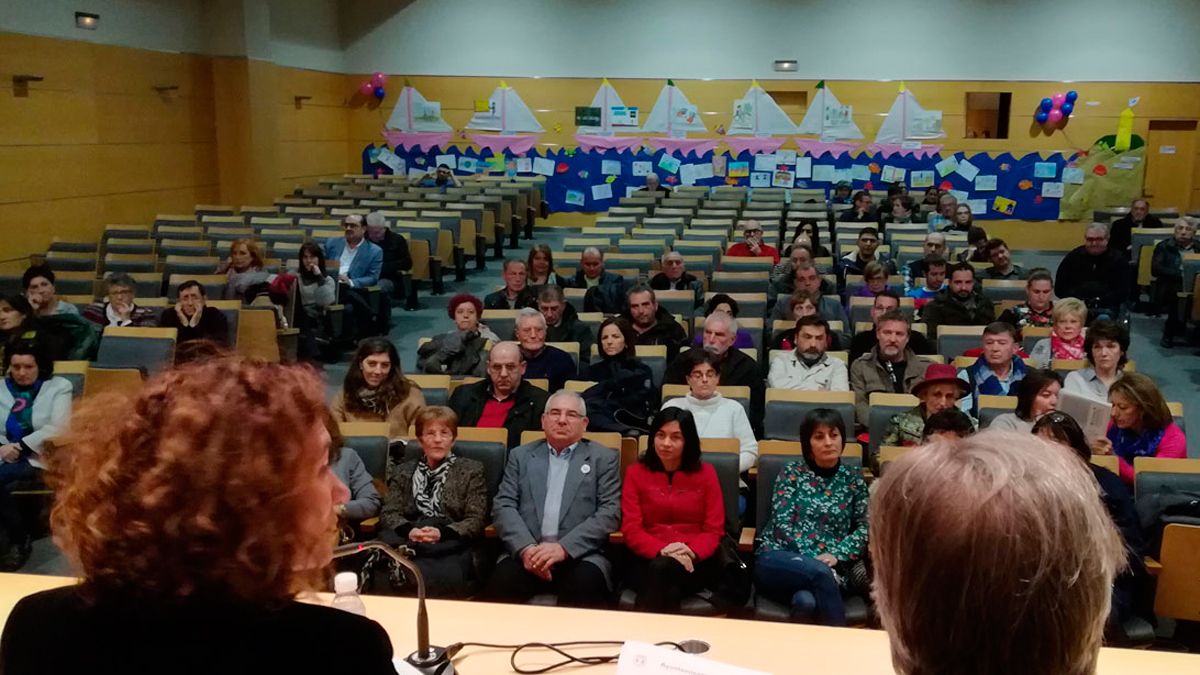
point(732, 589)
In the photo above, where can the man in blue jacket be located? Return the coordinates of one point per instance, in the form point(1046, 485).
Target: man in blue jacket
point(360, 263)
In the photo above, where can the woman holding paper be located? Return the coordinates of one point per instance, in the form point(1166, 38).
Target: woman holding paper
point(1141, 425)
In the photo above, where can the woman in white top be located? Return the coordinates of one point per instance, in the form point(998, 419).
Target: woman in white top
point(716, 416)
point(1038, 395)
point(1105, 348)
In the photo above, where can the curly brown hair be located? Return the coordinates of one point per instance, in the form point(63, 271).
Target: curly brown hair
point(204, 483)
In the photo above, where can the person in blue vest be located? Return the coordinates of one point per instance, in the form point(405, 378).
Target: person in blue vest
point(998, 369)
point(360, 263)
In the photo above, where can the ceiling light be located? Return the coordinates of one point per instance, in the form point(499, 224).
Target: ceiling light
point(787, 65)
point(86, 21)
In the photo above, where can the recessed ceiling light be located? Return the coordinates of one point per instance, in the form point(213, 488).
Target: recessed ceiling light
point(86, 20)
point(786, 65)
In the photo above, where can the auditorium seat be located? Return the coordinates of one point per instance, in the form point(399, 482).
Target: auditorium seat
point(991, 407)
point(146, 349)
point(786, 408)
point(883, 406)
point(74, 372)
point(103, 380)
point(370, 441)
point(954, 340)
point(435, 388)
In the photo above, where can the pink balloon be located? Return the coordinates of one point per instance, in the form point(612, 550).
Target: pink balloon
point(1054, 117)
point(1059, 99)
point(366, 89)
point(379, 79)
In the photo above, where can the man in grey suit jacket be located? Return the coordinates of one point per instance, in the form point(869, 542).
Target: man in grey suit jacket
point(558, 502)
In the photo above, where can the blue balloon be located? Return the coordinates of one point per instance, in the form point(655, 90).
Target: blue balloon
point(1041, 116)
point(379, 93)
point(1047, 104)
point(1066, 108)
point(1072, 95)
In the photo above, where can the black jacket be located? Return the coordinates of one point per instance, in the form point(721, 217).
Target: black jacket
point(606, 278)
point(947, 310)
point(624, 396)
point(571, 329)
point(1120, 234)
point(396, 257)
point(468, 400)
point(665, 331)
point(499, 300)
point(1102, 281)
point(687, 282)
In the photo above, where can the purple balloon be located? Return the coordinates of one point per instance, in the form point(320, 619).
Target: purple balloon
point(1072, 95)
point(1041, 116)
point(1059, 98)
point(1047, 104)
point(1067, 108)
point(379, 93)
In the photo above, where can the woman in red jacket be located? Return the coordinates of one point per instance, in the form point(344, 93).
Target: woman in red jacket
point(673, 515)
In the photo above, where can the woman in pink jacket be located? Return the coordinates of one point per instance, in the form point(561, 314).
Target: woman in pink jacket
point(1142, 425)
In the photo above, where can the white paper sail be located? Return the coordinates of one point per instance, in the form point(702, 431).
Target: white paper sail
point(828, 119)
point(673, 114)
point(606, 99)
point(413, 113)
point(757, 114)
point(506, 113)
point(908, 121)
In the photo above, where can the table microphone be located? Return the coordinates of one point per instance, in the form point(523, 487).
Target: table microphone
point(427, 659)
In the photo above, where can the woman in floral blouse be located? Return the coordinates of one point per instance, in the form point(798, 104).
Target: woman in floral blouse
point(817, 529)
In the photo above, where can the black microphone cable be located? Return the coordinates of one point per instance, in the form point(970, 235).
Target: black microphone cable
point(557, 647)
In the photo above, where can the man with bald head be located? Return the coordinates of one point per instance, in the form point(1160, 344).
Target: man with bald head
point(752, 245)
point(503, 400)
point(1120, 233)
point(675, 277)
point(653, 185)
point(1095, 274)
point(933, 247)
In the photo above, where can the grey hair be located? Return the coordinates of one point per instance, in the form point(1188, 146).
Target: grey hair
point(376, 219)
point(671, 254)
point(592, 250)
point(566, 393)
point(509, 262)
point(730, 323)
point(936, 235)
point(1096, 227)
point(120, 279)
point(529, 313)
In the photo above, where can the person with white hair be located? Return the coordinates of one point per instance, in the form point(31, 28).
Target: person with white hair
point(1095, 274)
point(736, 369)
point(542, 360)
point(1166, 265)
point(654, 185)
point(675, 277)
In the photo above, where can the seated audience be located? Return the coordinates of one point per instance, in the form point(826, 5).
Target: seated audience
point(864, 341)
point(1069, 316)
point(216, 510)
point(539, 268)
point(736, 369)
point(516, 293)
point(1038, 308)
point(890, 366)
point(997, 371)
point(950, 424)
point(829, 305)
point(752, 244)
point(976, 250)
point(802, 274)
point(437, 505)
point(931, 197)
point(1063, 429)
point(396, 258)
point(360, 262)
point(722, 302)
point(1106, 349)
point(38, 284)
point(554, 533)
point(1037, 396)
point(960, 304)
point(802, 304)
point(935, 282)
point(624, 394)
point(866, 250)
point(17, 321)
point(934, 246)
point(862, 210)
point(35, 406)
point(193, 319)
point(672, 516)
point(808, 367)
point(875, 280)
point(442, 178)
point(716, 416)
point(121, 308)
point(654, 185)
point(783, 275)
point(937, 390)
point(541, 359)
point(1002, 264)
point(244, 271)
point(63, 336)
point(1121, 229)
point(344, 462)
point(503, 400)
point(653, 324)
point(459, 351)
point(901, 211)
point(1047, 594)
point(317, 291)
point(591, 270)
point(1095, 274)
point(951, 216)
point(375, 389)
point(562, 321)
point(808, 228)
point(814, 542)
point(1141, 426)
point(842, 191)
point(1166, 265)
point(675, 277)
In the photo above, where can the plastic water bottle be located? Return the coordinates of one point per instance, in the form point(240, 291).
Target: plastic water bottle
point(345, 589)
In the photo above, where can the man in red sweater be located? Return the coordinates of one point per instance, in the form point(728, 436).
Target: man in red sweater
point(753, 246)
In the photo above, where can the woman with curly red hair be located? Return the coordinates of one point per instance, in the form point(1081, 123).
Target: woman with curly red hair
point(195, 511)
point(459, 351)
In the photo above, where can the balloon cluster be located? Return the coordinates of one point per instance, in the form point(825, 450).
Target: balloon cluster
point(1055, 109)
point(374, 86)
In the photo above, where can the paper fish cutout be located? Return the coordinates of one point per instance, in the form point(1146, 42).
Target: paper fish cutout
point(1100, 170)
point(562, 168)
point(946, 185)
point(873, 167)
point(1025, 184)
point(672, 179)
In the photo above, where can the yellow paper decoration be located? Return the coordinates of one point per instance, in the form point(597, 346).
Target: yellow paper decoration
point(902, 87)
point(482, 105)
point(1124, 130)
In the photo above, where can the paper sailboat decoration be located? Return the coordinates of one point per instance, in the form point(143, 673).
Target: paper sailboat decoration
point(757, 114)
point(828, 119)
point(673, 114)
point(413, 113)
point(615, 116)
point(505, 112)
point(908, 121)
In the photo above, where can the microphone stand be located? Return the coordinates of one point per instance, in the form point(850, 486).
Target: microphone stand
point(427, 659)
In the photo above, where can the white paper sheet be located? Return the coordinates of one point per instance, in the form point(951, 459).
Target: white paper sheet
point(985, 183)
point(822, 173)
point(765, 162)
point(610, 167)
point(967, 170)
point(449, 160)
point(602, 191)
point(642, 168)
